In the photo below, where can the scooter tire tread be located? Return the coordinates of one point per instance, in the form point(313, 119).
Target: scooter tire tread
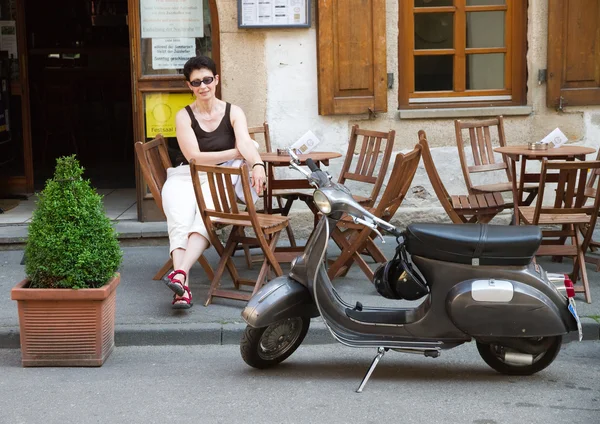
point(493, 361)
point(250, 344)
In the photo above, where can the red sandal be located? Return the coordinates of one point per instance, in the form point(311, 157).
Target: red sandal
point(188, 300)
point(176, 285)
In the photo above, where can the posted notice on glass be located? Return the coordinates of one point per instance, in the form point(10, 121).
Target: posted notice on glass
point(273, 12)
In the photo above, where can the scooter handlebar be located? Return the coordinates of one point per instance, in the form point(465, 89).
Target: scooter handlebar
point(311, 165)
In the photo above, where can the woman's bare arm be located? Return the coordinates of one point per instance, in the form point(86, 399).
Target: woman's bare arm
point(245, 145)
point(189, 145)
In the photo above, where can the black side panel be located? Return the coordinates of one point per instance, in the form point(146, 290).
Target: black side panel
point(279, 299)
point(491, 244)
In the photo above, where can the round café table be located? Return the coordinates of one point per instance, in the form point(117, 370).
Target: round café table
point(274, 160)
point(523, 153)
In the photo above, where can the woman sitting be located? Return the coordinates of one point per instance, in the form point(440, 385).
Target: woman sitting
point(211, 132)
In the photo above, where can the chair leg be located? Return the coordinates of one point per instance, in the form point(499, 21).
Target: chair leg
point(375, 252)
point(169, 266)
point(206, 267)
point(485, 218)
point(584, 278)
point(348, 252)
point(364, 266)
point(341, 270)
point(530, 197)
point(165, 268)
point(579, 264)
point(269, 263)
point(284, 212)
point(225, 258)
point(247, 253)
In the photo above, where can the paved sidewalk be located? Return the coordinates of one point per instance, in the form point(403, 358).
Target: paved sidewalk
point(144, 315)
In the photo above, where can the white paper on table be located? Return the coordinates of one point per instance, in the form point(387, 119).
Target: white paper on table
point(306, 143)
point(556, 137)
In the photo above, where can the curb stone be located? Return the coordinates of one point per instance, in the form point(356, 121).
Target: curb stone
point(217, 334)
point(177, 334)
point(591, 329)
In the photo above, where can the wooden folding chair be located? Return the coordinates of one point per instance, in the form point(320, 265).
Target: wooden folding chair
point(225, 213)
point(480, 140)
point(590, 193)
point(366, 162)
point(352, 239)
point(283, 209)
point(570, 211)
point(154, 161)
point(461, 209)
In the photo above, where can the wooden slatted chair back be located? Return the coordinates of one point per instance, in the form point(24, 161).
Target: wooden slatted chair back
point(403, 173)
point(482, 149)
point(371, 147)
point(224, 202)
point(592, 182)
point(573, 178)
point(436, 181)
point(154, 161)
point(261, 132)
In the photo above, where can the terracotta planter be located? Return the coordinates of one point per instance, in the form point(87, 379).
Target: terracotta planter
point(64, 327)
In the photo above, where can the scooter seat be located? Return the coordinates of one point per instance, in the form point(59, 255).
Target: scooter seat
point(474, 243)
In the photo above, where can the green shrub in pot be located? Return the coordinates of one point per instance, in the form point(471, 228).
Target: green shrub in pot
point(71, 242)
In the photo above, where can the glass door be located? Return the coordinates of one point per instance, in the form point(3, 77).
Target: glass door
point(163, 36)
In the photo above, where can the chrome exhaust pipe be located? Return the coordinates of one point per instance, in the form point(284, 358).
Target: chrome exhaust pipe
point(516, 358)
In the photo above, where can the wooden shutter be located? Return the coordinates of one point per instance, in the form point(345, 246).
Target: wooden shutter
point(573, 52)
point(351, 56)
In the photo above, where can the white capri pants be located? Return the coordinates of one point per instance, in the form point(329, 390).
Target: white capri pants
point(181, 208)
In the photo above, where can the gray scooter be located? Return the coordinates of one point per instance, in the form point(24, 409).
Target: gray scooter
point(476, 281)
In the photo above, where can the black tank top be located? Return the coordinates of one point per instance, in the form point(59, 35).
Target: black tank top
point(222, 138)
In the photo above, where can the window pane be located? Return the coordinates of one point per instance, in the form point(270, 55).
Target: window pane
point(172, 33)
point(485, 71)
point(434, 73)
point(485, 2)
point(485, 29)
point(434, 31)
point(433, 3)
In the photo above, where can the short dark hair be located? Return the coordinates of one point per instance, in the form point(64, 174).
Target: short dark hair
point(197, 63)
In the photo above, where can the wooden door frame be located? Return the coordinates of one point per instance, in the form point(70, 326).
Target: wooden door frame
point(23, 183)
point(140, 84)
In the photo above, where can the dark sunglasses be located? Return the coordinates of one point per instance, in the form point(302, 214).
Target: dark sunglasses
point(206, 81)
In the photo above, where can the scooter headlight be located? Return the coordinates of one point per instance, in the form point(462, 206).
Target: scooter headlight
point(322, 202)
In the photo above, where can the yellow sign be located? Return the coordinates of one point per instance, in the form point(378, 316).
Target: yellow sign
point(161, 109)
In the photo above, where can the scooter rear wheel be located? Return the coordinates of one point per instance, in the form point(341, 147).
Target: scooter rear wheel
point(494, 355)
point(265, 347)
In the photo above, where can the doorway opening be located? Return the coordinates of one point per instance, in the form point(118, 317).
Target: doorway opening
point(80, 89)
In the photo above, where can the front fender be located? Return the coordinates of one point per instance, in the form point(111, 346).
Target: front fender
point(279, 299)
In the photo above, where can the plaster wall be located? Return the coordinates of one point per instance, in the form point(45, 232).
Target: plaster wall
point(272, 75)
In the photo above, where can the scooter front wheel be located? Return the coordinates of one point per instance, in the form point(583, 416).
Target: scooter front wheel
point(510, 361)
point(265, 347)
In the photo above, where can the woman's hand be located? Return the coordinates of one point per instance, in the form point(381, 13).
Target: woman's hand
point(259, 178)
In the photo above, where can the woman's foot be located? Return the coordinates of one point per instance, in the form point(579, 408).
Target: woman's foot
point(175, 282)
point(183, 302)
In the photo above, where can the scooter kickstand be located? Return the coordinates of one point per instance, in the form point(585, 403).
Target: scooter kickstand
point(380, 352)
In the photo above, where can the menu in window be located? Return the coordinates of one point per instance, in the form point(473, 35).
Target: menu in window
point(273, 13)
point(171, 18)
